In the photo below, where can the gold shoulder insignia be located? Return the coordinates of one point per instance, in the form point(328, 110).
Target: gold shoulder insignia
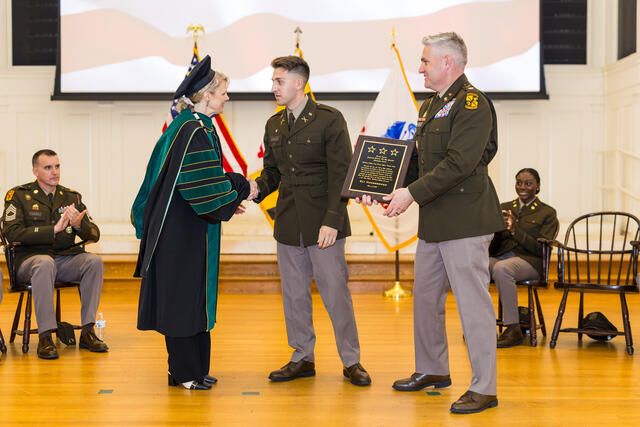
point(471, 102)
point(9, 196)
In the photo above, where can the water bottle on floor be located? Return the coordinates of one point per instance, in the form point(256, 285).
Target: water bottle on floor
point(100, 326)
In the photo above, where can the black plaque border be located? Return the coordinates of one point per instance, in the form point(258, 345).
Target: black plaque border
point(404, 166)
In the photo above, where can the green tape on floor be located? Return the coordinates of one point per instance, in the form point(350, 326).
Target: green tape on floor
point(251, 393)
point(102, 391)
point(433, 393)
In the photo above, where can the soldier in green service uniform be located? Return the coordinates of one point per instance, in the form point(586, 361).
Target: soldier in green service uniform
point(515, 253)
point(45, 218)
point(456, 138)
point(307, 154)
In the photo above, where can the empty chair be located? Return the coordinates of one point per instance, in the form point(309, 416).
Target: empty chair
point(599, 254)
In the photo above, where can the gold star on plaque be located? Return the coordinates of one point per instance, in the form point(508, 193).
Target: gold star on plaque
point(383, 151)
point(371, 149)
point(394, 152)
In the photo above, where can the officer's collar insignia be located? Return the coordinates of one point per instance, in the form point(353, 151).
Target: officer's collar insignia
point(9, 195)
point(304, 119)
point(27, 196)
point(471, 101)
point(35, 207)
point(533, 207)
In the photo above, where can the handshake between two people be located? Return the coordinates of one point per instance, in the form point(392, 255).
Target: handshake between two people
point(399, 202)
point(253, 193)
point(70, 216)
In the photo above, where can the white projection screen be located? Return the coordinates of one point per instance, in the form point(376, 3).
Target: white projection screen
point(140, 50)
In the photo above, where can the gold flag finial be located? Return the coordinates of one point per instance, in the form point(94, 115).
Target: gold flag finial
point(394, 33)
point(196, 29)
point(297, 32)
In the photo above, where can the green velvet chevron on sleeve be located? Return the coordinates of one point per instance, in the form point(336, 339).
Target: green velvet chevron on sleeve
point(202, 182)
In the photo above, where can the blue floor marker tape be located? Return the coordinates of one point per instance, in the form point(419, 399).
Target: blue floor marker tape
point(108, 391)
point(251, 393)
point(433, 393)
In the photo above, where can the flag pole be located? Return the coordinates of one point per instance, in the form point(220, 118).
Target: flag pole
point(397, 292)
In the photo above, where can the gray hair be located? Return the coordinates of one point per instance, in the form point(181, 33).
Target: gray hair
point(452, 42)
point(209, 87)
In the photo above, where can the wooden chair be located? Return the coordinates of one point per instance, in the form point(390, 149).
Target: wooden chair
point(615, 269)
point(533, 300)
point(14, 286)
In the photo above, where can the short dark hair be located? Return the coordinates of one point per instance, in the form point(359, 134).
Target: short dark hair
point(533, 172)
point(36, 156)
point(293, 64)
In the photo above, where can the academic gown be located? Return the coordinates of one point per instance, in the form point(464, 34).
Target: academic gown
point(177, 213)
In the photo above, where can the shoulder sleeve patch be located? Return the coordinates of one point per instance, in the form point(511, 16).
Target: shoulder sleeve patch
point(9, 196)
point(471, 102)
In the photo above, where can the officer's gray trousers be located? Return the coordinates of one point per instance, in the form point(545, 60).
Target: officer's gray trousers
point(463, 265)
point(42, 271)
point(506, 270)
point(328, 266)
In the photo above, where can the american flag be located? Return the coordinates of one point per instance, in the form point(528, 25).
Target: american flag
point(232, 159)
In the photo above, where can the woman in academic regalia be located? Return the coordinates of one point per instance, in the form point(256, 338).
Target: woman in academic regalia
point(515, 253)
point(177, 214)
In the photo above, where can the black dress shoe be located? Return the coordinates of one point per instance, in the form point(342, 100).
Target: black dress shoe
point(419, 381)
point(293, 370)
point(208, 379)
point(46, 348)
point(472, 402)
point(195, 385)
point(357, 375)
point(91, 342)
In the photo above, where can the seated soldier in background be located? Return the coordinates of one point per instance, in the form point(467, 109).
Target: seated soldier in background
point(515, 254)
point(45, 218)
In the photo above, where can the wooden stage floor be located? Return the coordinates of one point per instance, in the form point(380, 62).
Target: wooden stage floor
point(575, 384)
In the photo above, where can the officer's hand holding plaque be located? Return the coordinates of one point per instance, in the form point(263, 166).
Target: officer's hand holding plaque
point(379, 166)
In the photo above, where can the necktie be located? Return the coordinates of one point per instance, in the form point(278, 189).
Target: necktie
point(50, 196)
point(291, 121)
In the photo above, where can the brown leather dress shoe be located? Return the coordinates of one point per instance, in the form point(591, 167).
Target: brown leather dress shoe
point(293, 370)
point(419, 381)
point(357, 375)
point(91, 342)
point(472, 402)
point(511, 337)
point(46, 348)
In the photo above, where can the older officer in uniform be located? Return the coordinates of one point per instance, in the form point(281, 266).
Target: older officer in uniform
point(307, 154)
point(459, 212)
point(45, 218)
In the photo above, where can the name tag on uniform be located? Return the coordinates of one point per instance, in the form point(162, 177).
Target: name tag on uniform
point(35, 214)
point(274, 138)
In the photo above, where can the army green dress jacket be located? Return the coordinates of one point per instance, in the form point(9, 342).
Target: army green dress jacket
point(308, 165)
point(456, 138)
point(535, 221)
point(29, 218)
